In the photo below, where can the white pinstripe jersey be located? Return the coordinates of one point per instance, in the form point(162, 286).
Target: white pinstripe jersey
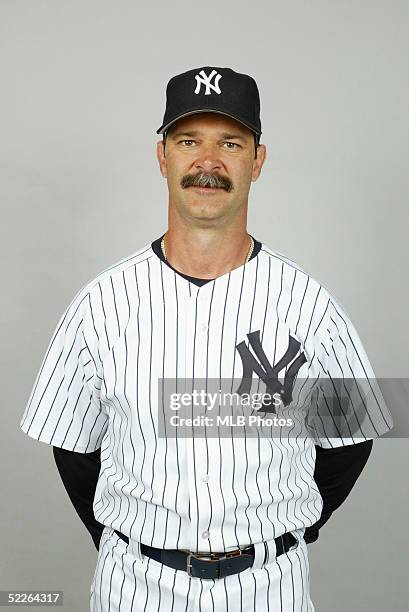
point(139, 320)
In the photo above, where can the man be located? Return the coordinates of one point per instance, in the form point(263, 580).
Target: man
point(216, 521)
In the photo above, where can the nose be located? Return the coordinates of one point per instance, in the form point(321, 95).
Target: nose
point(208, 159)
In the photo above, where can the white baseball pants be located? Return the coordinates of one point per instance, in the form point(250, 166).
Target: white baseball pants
point(127, 581)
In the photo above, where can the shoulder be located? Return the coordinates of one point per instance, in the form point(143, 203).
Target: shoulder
point(294, 272)
point(110, 274)
point(279, 257)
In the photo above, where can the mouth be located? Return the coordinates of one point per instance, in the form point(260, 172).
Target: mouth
point(206, 190)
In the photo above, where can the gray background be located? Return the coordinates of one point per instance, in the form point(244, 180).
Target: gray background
point(82, 93)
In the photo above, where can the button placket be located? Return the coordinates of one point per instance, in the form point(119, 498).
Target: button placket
point(201, 447)
point(188, 312)
point(195, 446)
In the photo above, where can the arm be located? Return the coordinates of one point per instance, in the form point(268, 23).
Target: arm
point(336, 471)
point(79, 473)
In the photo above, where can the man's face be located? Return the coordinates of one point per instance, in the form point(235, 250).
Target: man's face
point(209, 162)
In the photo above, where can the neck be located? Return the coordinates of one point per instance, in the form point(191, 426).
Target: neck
point(206, 253)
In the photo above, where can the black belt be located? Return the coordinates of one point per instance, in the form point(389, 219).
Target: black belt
point(210, 565)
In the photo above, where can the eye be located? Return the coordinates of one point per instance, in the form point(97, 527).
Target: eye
point(235, 145)
point(185, 141)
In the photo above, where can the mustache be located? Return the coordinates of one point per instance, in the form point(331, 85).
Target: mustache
point(204, 179)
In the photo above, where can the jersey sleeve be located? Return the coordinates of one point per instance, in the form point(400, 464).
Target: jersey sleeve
point(64, 407)
point(349, 406)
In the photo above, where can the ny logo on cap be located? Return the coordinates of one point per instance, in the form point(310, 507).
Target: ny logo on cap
point(203, 79)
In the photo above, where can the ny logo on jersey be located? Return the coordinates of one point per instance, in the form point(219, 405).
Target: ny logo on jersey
point(268, 373)
point(203, 79)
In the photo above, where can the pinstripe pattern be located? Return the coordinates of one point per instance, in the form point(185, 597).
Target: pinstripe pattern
point(139, 321)
point(126, 580)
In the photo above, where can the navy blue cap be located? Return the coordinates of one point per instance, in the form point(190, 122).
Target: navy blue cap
point(213, 89)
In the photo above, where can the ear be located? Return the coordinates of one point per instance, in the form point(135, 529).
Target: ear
point(258, 162)
point(160, 154)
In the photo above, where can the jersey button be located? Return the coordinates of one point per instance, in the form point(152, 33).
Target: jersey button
point(205, 534)
point(205, 328)
point(205, 477)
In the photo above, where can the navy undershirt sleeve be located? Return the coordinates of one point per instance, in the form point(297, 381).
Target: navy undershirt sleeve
point(336, 471)
point(79, 473)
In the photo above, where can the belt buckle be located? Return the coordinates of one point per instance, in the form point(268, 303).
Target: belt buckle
point(200, 557)
point(209, 556)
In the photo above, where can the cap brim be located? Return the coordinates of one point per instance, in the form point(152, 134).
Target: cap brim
point(196, 111)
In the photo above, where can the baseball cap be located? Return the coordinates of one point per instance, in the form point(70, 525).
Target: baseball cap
point(213, 89)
